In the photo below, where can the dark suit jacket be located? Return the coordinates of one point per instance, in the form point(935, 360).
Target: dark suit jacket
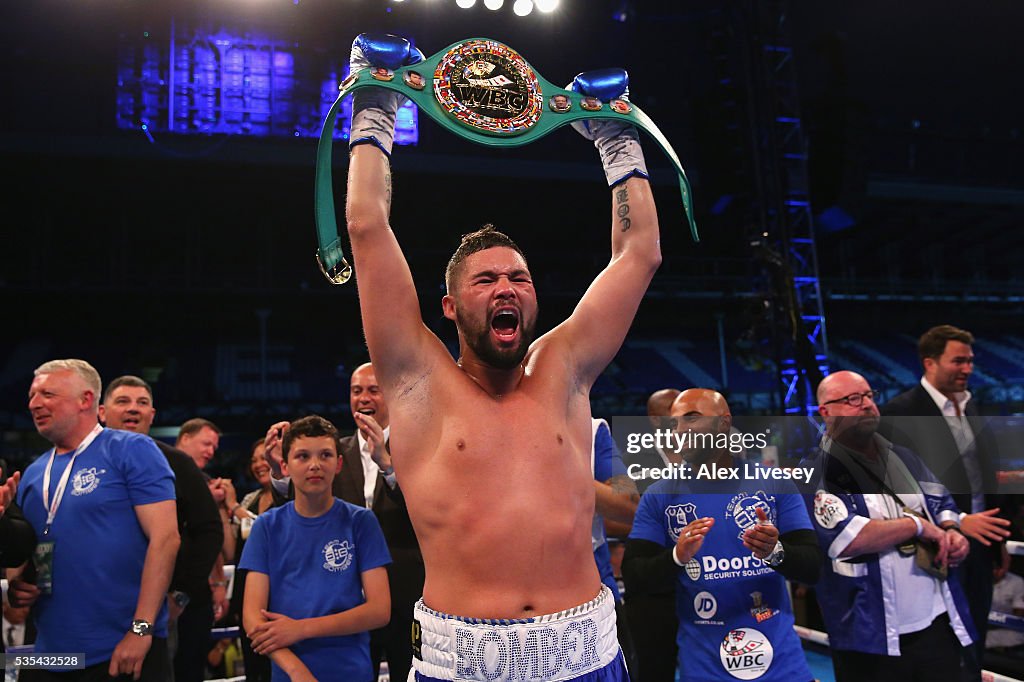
point(199, 524)
point(388, 505)
point(17, 542)
point(17, 538)
point(932, 440)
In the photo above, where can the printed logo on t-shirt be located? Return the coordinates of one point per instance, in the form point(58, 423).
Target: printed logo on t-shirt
point(86, 480)
point(829, 510)
point(706, 606)
point(743, 510)
point(692, 568)
point(679, 516)
point(761, 611)
point(338, 555)
point(746, 653)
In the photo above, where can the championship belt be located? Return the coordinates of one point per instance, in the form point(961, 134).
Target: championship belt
point(487, 93)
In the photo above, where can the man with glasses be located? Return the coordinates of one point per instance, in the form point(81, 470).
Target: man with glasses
point(938, 420)
point(889, 530)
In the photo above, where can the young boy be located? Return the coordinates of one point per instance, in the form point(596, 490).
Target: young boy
point(310, 564)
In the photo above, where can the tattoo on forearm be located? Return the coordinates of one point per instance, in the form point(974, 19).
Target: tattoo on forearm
point(622, 207)
point(624, 485)
point(387, 188)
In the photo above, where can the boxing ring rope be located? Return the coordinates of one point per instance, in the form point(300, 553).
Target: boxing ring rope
point(996, 618)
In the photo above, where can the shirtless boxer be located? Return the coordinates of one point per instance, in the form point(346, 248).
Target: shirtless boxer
point(493, 451)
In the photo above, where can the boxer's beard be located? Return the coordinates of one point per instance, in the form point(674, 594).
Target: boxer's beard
point(478, 338)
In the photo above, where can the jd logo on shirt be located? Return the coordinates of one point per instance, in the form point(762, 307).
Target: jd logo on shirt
point(705, 605)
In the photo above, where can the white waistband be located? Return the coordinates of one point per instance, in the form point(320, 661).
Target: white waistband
point(559, 646)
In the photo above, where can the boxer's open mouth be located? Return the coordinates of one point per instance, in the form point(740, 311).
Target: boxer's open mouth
point(505, 323)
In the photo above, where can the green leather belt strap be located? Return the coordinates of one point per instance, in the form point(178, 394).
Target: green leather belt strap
point(535, 107)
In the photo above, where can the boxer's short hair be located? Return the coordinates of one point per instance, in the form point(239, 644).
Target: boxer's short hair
point(932, 343)
point(487, 237)
point(313, 426)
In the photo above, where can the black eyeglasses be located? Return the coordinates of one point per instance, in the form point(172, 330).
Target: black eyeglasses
point(854, 399)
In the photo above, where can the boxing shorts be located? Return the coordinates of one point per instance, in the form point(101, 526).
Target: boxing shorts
point(576, 644)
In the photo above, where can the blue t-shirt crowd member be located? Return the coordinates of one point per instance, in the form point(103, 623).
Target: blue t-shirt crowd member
point(102, 505)
point(319, 560)
point(731, 545)
point(99, 546)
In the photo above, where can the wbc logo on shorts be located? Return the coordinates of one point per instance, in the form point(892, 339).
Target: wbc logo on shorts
point(679, 516)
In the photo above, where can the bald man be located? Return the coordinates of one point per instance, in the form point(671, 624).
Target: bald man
point(729, 545)
point(890, 613)
point(659, 405)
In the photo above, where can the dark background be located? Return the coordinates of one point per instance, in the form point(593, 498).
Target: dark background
point(157, 258)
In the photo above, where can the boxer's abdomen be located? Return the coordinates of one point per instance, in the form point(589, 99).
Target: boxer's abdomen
point(503, 512)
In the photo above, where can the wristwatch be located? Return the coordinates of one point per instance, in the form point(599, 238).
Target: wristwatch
point(142, 628)
point(180, 598)
point(777, 556)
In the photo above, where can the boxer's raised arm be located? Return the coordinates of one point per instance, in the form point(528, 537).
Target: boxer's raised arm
point(394, 329)
point(602, 318)
point(395, 334)
point(594, 332)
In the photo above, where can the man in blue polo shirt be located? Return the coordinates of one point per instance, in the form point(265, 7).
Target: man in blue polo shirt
point(317, 581)
point(731, 544)
point(102, 505)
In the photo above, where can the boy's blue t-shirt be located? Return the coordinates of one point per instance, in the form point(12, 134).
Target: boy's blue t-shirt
point(315, 567)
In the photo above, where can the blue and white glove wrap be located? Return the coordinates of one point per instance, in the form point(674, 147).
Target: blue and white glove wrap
point(617, 143)
point(374, 109)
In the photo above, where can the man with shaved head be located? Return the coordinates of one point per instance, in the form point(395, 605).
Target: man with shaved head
point(890, 531)
point(659, 405)
point(729, 546)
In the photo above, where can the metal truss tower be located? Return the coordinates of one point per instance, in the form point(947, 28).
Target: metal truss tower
point(781, 225)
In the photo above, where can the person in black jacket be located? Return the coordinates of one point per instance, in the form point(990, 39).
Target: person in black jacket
point(128, 405)
point(17, 539)
point(950, 436)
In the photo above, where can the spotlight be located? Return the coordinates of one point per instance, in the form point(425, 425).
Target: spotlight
point(546, 5)
point(493, 4)
point(465, 4)
point(522, 7)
